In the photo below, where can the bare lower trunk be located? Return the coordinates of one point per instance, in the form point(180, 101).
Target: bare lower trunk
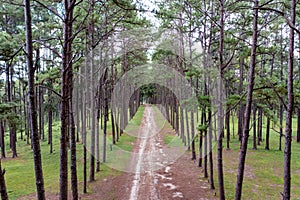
point(211, 164)
point(74, 182)
point(254, 127)
point(2, 184)
point(280, 128)
point(2, 135)
point(268, 134)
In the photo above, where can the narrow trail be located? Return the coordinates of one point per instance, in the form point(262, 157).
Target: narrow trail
point(152, 163)
point(143, 161)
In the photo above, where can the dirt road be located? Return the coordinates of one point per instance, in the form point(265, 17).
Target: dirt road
point(147, 158)
point(155, 171)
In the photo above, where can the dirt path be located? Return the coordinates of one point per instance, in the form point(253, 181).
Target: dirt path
point(146, 159)
point(155, 174)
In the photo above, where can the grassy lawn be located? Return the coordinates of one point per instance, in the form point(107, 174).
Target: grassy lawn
point(19, 176)
point(263, 178)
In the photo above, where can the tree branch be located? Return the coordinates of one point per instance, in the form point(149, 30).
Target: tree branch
point(291, 25)
point(48, 46)
point(50, 9)
point(48, 88)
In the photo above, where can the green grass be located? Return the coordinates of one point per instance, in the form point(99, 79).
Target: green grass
point(263, 177)
point(19, 176)
point(133, 125)
point(119, 156)
point(264, 172)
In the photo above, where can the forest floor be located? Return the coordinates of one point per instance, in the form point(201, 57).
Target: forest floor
point(151, 174)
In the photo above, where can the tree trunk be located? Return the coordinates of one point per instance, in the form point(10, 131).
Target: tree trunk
point(187, 129)
point(259, 126)
point(211, 164)
point(92, 99)
point(254, 127)
point(12, 128)
point(298, 111)
point(241, 111)
point(3, 191)
point(280, 128)
point(220, 106)
point(40, 98)
point(65, 90)
point(105, 96)
point(84, 116)
point(50, 130)
point(2, 143)
point(83, 127)
point(290, 107)
point(298, 122)
point(50, 118)
point(73, 167)
point(227, 122)
point(33, 112)
point(268, 134)
point(201, 140)
point(182, 135)
point(193, 137)
point(251, 77)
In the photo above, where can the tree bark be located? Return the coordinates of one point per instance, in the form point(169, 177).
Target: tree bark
point(268, 134)
point(73, 167)
point(259, 126)
point(227, 122)
point(241, 111)
point(105, 109)
point(220, 106)
point(65, 104)
point(251, 77)
point(211, 164)
point(254, 127)
point(298, 110)
point(3, 191)
point(92, 99)
point(33, 111)
point(50, 119)
point(2, 135)
point(290, 107)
